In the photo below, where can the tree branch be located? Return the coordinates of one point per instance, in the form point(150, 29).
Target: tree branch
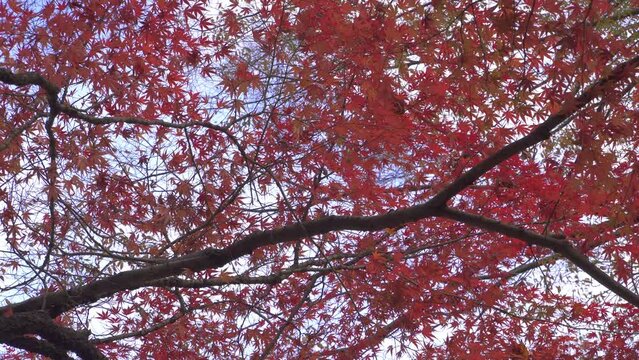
point(63, 300)
point(539, 134)
point(29, 78)
point(38, 322)
point(33, 345)
point(559, 246)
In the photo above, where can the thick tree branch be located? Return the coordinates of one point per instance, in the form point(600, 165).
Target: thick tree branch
point(559, 246)
point(29, 78)
point(38, 322)
point(36, 346)
point(60, 301)
point(539, 134)
point(550, 259)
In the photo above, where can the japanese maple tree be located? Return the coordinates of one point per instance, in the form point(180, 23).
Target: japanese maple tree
point(193, 179)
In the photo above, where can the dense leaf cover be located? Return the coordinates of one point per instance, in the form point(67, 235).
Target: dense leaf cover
point(185, 179)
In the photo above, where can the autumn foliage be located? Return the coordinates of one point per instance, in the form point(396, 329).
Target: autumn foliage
point(193, 179)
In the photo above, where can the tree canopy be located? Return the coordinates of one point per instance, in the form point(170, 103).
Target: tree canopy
point(193, 179)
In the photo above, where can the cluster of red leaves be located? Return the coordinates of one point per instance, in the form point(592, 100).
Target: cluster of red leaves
point(148, 148)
